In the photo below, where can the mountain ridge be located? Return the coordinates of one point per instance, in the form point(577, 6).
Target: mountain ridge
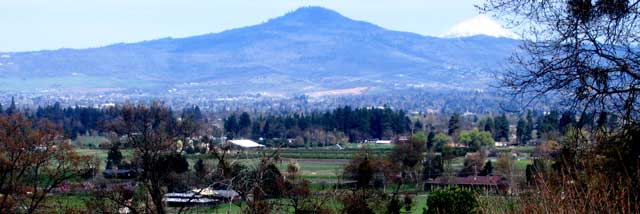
point(306, 50)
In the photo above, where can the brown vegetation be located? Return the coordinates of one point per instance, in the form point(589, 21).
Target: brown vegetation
point(34, 160)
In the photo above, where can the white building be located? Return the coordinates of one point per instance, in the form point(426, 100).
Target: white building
point(245, 144)
point(383, 142)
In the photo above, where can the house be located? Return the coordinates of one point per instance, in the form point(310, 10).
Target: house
point(489, 184)
point(120, 173)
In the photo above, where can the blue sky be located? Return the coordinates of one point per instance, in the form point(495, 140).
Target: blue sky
point(52, 24)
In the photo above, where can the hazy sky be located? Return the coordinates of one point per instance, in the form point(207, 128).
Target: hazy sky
point(51, 24)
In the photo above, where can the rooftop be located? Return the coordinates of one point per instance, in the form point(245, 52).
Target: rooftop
point(246, 143)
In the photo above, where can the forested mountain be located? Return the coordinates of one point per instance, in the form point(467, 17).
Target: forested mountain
point(311, 50)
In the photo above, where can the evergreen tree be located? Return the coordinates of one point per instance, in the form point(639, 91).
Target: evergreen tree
point(430, 138)
point(357, 124)
point(537, 167)
point(566, 120)
point(521, 131)
point(266, 130)
point(489, 126)
point(244, 124)
point(487, 169)
point(502, 128)
point(481, 123)
point(303, 123)
point(12, 107)
point(529, 174)
point(114, 156)
point(193, 113)
point(174, 163)
point(256, 132)
point(455, 124)
point(417, 126)
point(530, 124)
point(549, 123)
point(200, 168)
point(231, 126)
point(197, 113)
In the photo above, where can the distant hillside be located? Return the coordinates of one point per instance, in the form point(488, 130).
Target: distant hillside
point(308, 51)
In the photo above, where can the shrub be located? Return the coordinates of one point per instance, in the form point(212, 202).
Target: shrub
point(451, 200)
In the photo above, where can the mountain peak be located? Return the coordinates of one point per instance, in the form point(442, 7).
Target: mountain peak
point(317, 17)
point(311, 49)
point(479, 25)
point(313, 13)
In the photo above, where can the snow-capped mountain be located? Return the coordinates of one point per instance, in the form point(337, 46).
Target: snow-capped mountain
point(307, 50)
point(479, 25)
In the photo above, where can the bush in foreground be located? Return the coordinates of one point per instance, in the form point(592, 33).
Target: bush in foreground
point(451, 200)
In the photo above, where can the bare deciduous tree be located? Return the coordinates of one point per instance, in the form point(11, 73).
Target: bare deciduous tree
point(34, 160)
point(585, 50)
point(152, 132)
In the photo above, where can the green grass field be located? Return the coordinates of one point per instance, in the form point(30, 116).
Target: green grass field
point(419, 203)
point(71, 202)
point(321, 169)
point(76, 202)
point(316, 163)
point(524, 149)
point(368, 146)
point(102, 153)
point(320, 165)
point(89, 141)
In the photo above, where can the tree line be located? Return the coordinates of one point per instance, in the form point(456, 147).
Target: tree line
point(356, 124)
point(78, 120)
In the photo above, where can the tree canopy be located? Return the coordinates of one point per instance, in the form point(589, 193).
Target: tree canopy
point(476, 139)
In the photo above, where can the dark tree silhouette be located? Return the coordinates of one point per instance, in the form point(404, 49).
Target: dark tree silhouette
point(455, 124)
point(584, 50)
point(114, 156)
point(487, 169)
point(12, 107)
